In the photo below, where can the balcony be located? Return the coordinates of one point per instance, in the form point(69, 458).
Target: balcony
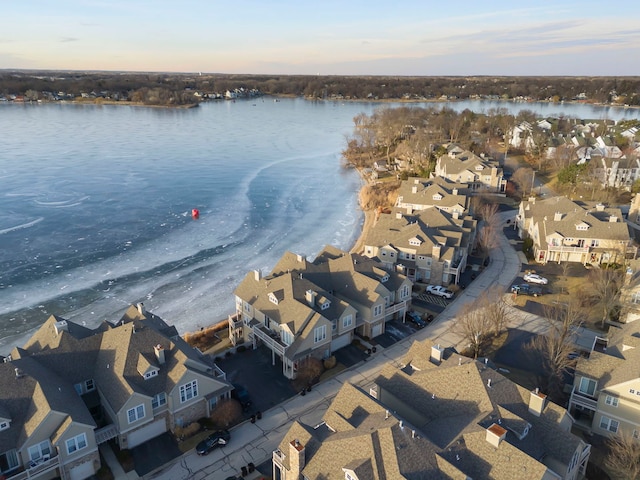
point(270, 339)
point(105, 434)
point(36, 469)
point(567, 249)
point(396, 307)
point(582, 400)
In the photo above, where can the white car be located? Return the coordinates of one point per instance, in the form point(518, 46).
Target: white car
point(439, 291)
point(535, 278)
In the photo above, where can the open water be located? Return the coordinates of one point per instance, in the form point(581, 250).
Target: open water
point(95, 203)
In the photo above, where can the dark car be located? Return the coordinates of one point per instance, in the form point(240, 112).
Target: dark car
point(213, 441)
point(241, 395)
point(526, 289)
point(416, 319)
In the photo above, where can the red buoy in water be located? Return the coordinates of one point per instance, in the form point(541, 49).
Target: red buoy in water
point(195, 213)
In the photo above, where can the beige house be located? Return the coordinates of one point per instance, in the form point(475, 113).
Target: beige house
point(606, 392)
point(308, 309)
point(563, 230)
point(440, 416)
point(480, 173)
point(71, 388)
point(420, 194)
point(429, 245)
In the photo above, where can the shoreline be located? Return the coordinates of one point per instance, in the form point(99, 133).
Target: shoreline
point(369, 217)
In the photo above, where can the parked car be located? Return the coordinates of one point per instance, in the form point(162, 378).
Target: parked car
point(527, 289)
point(535, 278)
point(439, 291)
point(415, 318)
point(241, 395)
point(213, 441)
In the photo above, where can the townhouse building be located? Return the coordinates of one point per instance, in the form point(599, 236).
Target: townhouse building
point(71, 388)
point(441, 193)
point(605, 398)
point(308, 308)
point(439, 416)
point(429, 245)
point(564, 230)
point(480, 173)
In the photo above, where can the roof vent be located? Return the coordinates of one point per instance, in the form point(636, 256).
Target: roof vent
point(19, 373)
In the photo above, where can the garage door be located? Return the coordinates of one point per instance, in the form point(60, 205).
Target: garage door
point(377, 330)
point(147, 433)
point(82, 471)
point(341, 341)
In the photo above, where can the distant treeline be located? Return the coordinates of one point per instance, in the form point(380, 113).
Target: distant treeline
point(181, 87)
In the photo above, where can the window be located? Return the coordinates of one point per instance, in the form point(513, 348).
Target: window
point(320, 333)
point(325, 305)
point(8, 461)
point(4, 425)
point(581, 242)
point(334, 325)
point(76, 443)
point(613, 401)
point(159, 400)
point(595, 243)
point(89, 385)
point(404, 292)
point(587, 386)
point(135, 413)
point(610, 424)
point(377, 310)
point(347, 321)
point(287, 337)
point(36, 452)
point(188, 391)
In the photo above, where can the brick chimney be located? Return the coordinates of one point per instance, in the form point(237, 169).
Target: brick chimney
point(159, 351)
point(296, 459)
point(537, 402)
point(495, 434)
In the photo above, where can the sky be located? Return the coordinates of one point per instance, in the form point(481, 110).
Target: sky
point(329, 37)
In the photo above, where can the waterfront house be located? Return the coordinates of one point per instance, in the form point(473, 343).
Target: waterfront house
point(480, 173)
point(441, 193)
point(428, 245)
point(71, 388)
point(564, 230)
point(605, 398)
point(308, 308)
point(441, 416)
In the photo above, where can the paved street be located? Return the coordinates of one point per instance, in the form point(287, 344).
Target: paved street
point(254, 442)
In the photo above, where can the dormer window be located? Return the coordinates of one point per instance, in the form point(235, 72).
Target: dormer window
point(437, 196)
point(273, 299)
point(150, 374)
point(582, 226)
point(384, 278)
point(479, 167)
point(4, 425)
point(415, 241)
point(326, 304)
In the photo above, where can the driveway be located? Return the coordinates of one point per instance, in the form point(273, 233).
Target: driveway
point(155, 453)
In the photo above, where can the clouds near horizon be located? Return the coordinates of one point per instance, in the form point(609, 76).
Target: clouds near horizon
point(351, 37)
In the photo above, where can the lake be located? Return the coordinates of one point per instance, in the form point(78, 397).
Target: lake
point(96, 201)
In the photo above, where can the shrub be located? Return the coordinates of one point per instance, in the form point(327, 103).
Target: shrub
point(330, 362)
point(188, 431)
point(226, 413)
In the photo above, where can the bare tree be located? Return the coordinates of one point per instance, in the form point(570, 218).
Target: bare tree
point(473, 326)
point(558, 342)
point(492, 305)
point(624, 456)
point(523, 179)
point(606, 285)
point(488, 235)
